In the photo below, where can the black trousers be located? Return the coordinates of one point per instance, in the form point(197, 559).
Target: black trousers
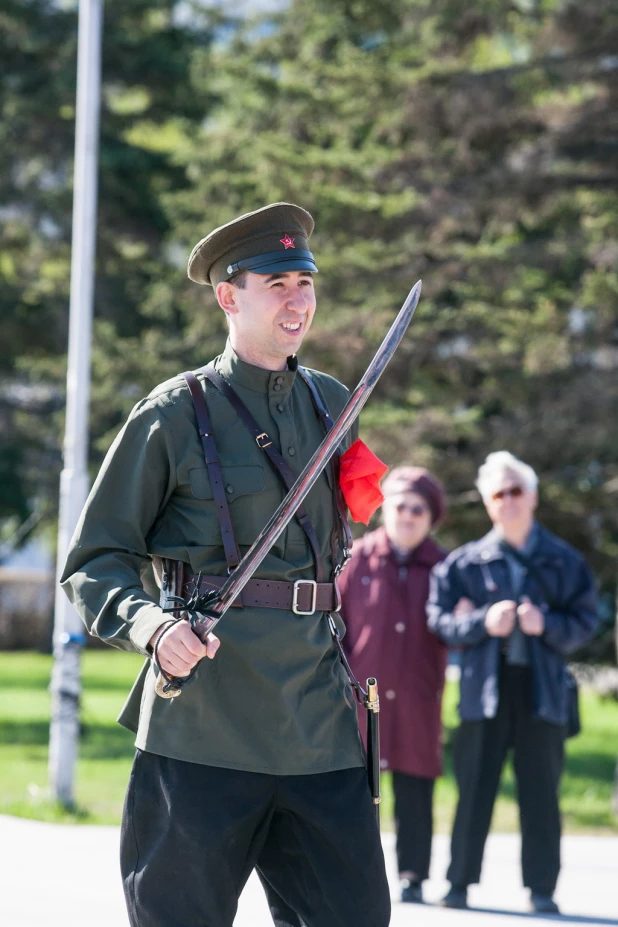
point(480, 750)
point(413, 823)
point(192, 834)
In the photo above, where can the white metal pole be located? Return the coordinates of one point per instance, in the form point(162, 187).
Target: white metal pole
point(68, 630)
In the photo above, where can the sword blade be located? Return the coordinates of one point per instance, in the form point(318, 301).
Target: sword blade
point(237, 581)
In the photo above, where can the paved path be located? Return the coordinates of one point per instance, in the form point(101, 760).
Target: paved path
point(36, 888)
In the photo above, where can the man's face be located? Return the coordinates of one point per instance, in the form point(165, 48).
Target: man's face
point(509, 503)
point(407, 519)
point(270, 316)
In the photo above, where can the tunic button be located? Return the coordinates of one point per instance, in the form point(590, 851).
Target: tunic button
point(291, 451)
point(383, 763)
point(278, 379)
point(390, 694)
point(279, 407)
point(229, 489)
point(277, 387)
point(400, 626)
point(366, 580)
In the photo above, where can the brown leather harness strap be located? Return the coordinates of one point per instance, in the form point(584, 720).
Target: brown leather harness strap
point(303, 597)
point(204, 427)
point(279, 464)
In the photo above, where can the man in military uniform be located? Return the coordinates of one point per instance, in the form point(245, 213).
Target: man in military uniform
point(258, 764)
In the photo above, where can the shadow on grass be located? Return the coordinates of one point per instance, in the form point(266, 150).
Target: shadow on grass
point(97, 741)
point(36, 683)
point(591, 765)
point(44, 809)
point(25, 683)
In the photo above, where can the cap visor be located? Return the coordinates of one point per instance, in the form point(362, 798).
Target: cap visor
point(280, 267)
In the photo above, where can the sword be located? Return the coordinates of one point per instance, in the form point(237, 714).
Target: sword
point(206, 611)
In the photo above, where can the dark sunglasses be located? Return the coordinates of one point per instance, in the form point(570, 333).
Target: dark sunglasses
point(417, 509)
point(514, 492)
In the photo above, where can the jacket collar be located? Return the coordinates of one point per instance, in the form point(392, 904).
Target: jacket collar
point(428, 553)
point(490, 547)
point(239, 373)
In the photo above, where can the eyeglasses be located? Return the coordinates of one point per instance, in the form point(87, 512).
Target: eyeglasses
point(514, 492)
point(417, 509)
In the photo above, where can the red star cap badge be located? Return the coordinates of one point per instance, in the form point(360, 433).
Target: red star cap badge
point(287, 242)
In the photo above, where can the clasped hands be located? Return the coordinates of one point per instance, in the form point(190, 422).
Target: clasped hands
point(500, 617)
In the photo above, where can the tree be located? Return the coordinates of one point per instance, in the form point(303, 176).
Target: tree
point(147, 55)
point(472, 146)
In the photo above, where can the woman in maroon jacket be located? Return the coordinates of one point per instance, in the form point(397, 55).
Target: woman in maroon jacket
point(384, 590)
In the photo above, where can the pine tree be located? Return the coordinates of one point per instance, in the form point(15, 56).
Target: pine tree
point(147, 59)
point(475, 148)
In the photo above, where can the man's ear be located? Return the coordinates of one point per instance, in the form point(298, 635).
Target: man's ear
point(226, 297)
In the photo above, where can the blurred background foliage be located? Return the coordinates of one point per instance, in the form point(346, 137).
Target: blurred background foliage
point(473, 145)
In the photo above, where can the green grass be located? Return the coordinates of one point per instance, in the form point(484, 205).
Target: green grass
point(106, 751)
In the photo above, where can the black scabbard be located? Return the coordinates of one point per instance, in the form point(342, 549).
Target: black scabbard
point(372, 704)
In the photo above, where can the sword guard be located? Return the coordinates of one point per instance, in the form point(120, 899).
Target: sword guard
point(196, 609)
point(166, 689)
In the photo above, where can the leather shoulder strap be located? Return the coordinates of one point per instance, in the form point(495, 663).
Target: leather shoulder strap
point(279, 464)
point(204, 427)
point(341, 517)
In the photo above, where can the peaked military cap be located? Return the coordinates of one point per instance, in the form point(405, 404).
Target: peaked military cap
point(270, 240)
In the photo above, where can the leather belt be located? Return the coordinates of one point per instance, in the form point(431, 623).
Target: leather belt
point(303, 597)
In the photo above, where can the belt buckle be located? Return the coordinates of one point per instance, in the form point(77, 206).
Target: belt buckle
point(314, 596)
point(263, 441)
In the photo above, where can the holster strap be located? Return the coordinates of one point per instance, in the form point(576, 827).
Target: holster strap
point(304, 597)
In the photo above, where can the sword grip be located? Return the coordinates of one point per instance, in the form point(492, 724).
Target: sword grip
point(167, 686)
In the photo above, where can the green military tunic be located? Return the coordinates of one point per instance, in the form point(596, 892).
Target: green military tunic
point(275, 699)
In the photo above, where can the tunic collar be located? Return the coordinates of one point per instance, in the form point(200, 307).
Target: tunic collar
point(239, 373)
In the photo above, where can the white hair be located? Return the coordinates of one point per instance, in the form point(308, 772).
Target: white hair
point(499, 463)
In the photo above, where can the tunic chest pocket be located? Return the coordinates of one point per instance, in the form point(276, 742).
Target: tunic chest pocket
point(237, 481)
point(253, 496)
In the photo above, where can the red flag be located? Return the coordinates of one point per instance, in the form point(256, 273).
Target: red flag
point(359, 478)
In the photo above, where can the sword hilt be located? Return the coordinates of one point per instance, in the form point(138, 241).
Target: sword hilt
point(167, 686)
